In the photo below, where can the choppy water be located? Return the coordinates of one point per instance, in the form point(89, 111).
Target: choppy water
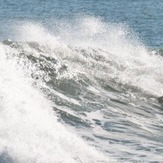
point(79, 81)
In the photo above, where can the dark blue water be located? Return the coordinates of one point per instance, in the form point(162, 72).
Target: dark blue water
point(144, 17)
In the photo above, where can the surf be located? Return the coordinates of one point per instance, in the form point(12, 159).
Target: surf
point(29, 130)
point(77, 85)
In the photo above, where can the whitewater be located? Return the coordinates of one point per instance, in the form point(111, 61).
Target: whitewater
point(79, 92)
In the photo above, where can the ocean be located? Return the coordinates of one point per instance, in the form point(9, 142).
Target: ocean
point(80, 81)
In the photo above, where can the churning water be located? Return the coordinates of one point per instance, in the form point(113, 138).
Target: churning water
point(78, 89)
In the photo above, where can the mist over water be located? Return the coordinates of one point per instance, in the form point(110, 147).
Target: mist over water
point(78, 90)
point(105, 49)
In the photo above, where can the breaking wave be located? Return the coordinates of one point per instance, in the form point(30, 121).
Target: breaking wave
point(86, 78)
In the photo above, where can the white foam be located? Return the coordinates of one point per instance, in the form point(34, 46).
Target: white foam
point(29, 131)
point(127, 60)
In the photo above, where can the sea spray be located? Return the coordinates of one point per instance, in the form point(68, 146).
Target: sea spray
point(98, 50)
point(103, 83)
point(87, 68)
point(29, 131)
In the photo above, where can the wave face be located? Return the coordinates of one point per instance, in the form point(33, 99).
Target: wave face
point(84, 91)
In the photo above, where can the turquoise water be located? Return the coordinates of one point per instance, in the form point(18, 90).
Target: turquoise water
point(79, 81)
